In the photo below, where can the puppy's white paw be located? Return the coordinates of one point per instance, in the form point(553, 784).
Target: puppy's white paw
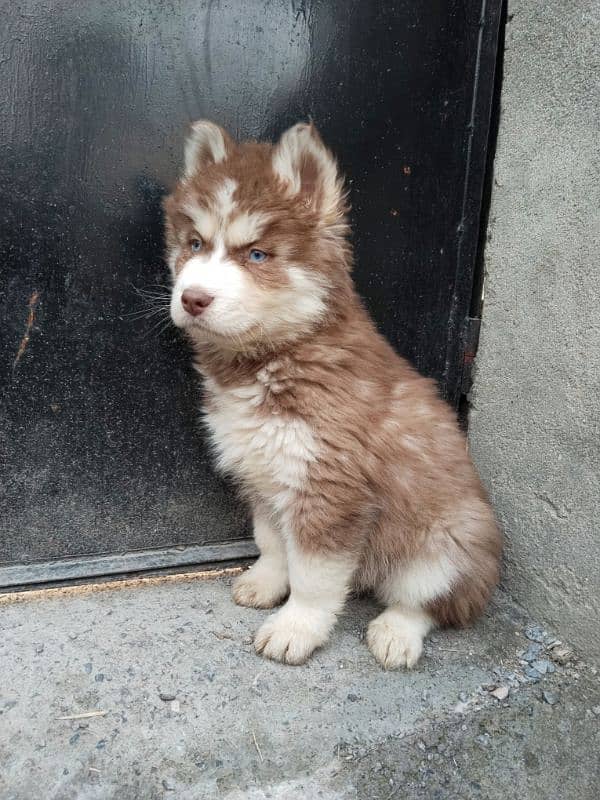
point(396, 639)
point(262, 586)
point(292, 634)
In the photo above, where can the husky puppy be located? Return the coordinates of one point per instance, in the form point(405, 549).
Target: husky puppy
point(356, 473)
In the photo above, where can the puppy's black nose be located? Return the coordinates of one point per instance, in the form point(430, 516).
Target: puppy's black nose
point(195, 301)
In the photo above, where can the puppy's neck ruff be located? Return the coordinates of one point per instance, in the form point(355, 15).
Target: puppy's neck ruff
point(345, 330)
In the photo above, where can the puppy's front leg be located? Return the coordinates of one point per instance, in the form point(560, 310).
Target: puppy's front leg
point(319, 583)
point(265, 584)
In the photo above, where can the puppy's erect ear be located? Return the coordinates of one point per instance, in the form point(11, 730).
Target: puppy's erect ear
point(206, 144)
point(306, 166)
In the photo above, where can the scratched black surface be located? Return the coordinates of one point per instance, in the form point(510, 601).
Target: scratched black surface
point(101, 448)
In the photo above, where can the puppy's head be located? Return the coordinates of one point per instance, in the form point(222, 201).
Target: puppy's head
point(256, 237)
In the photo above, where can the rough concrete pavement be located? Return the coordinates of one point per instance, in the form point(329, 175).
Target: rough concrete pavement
point(189, 711)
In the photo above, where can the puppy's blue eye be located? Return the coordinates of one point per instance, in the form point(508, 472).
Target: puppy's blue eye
point(256, 256)
point(196, 245)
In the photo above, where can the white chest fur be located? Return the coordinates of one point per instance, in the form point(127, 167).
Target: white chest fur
point(269, 452)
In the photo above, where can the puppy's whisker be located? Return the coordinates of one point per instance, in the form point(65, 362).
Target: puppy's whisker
point(151, 293)
point(146, 291)
point(138, 315)
point(158, 328)
point(151, 296)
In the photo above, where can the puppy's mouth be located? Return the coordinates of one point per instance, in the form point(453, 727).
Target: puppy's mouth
point(189, 323)
point(210, 329)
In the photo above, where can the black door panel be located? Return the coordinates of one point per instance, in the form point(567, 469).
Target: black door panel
point(102, 450)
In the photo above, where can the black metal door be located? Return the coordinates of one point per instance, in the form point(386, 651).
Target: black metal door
point(103, 462)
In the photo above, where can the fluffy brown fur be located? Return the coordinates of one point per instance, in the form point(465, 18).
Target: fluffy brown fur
point(381, 493)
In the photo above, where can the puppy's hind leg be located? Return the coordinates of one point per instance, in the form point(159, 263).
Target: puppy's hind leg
point(396, 636)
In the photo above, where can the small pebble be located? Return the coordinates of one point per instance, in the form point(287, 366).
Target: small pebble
point(552, 642)
point(73, 636)
point(550, 698)
point(501, 693)
point(532, 674)
point(167, 696)
point(534, 633)
point(168, 785)
point(460, 708)
point(463, 697)
point(543, 666)
point(596, 710)
point(39, 648)
point(532, 652)
point(561, 654)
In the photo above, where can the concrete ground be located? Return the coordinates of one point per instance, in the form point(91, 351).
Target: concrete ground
point(151, 689)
